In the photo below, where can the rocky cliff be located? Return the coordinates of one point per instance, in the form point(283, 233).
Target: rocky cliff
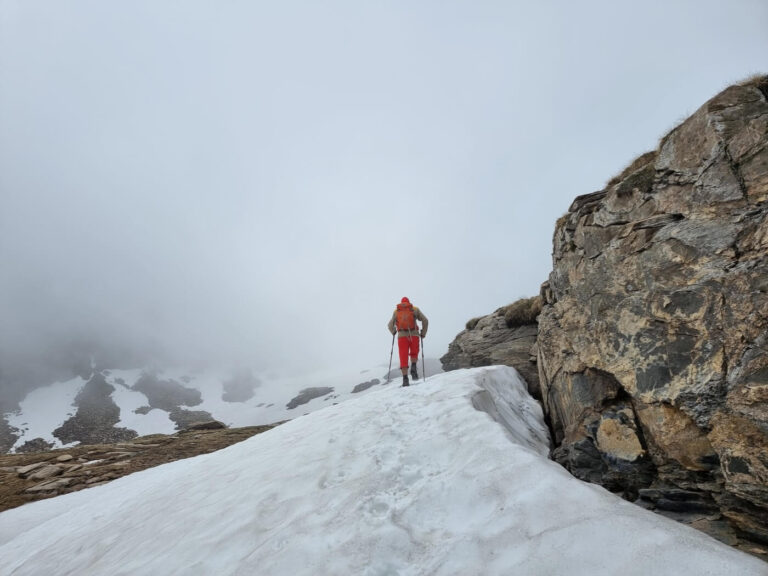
point(652, 344)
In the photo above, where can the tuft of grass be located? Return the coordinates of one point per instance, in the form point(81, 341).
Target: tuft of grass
point(523, 311)
point(638, 163)
point(473, 322)
point(759, 81)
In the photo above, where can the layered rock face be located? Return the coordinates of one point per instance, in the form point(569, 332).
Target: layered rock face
point(490, 342)
point(653, 339)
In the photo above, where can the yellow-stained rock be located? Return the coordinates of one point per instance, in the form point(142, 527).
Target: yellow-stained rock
point(618, 440)
point(676, 436)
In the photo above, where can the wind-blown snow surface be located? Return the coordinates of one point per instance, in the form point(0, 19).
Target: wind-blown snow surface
point(401, 481)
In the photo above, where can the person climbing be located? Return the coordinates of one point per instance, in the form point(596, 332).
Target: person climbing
point(403, 322)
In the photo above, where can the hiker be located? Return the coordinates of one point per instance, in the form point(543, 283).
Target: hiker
point(404, 321)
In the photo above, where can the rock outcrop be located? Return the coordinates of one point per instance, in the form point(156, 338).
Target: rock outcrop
point(308, 394)
point(363, 386)
point(207, 425)
point(653, 339)
point(489, 340)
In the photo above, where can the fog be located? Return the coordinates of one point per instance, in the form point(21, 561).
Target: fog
point(260, 183)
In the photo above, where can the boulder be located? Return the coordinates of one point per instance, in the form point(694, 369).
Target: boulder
point(207, 425)
point(490, 341)
point(46, 471)
point(653, 338)
point(25, 471)
point(50, 485)
point(185, 419)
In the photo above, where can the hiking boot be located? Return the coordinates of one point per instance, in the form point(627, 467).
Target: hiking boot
point(414, 372)
point(405, 381)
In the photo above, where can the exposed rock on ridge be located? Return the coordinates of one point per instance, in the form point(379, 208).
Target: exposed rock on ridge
point(489, 340)
point(653, 339)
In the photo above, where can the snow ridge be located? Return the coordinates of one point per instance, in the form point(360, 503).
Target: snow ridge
point(402, 481)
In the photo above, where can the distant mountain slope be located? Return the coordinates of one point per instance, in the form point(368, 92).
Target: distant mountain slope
point(111, 405)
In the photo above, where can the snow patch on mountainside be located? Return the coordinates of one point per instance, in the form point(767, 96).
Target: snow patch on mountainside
point(129, 401)
point(44, 410)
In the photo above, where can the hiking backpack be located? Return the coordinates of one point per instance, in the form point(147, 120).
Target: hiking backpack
point(405, 319)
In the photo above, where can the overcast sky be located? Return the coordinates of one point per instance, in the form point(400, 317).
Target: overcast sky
point(261, 182)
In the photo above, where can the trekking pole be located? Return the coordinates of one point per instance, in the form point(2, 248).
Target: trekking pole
point(423, 365)
point(390, 358)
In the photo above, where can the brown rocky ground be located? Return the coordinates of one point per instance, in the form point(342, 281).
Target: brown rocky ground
point(28, 477)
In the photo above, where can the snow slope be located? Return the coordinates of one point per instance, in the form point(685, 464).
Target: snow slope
point(402, 481)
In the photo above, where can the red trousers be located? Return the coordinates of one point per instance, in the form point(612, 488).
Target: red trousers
point(408, 346)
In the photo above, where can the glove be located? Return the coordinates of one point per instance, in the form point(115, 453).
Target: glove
point(392, 331)
point(423, 334)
